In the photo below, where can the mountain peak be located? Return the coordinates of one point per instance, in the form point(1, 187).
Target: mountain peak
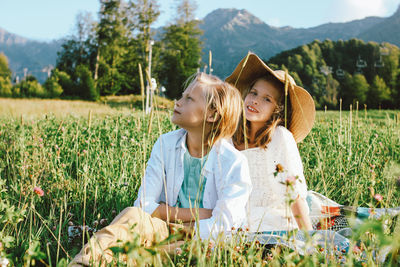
point(397, 13)
point(230, 17)
point(10, 38)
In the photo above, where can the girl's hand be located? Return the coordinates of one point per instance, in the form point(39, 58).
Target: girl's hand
point(300, 213)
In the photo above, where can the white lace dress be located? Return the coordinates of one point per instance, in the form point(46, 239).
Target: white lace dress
point(273, 187)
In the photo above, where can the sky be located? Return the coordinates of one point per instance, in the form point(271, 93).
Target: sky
point(46, 20)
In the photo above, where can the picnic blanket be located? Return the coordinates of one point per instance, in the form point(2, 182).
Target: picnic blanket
point(331, 227)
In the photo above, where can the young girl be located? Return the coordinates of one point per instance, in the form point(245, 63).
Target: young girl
point(277, 201)
point(194, 175)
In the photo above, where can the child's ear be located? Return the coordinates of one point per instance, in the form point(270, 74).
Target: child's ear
point(212, 117)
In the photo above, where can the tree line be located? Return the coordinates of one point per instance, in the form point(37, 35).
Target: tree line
point(354, 71)
point(106, 56)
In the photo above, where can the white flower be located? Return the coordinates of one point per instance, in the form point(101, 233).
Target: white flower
point(4, 262)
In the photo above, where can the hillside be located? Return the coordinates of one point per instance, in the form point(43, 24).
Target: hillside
point(228, 33)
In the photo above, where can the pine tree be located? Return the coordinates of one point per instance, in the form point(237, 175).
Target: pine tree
point(112, 42)
point(181, 53)
point(140, 16)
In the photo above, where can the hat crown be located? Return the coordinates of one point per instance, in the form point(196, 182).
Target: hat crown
point(281, 76)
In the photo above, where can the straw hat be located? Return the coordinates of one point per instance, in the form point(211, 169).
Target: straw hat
point(303, 108)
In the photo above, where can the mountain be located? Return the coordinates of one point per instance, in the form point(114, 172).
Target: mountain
point(386, 31)
point(24, 53)
point(230, 33)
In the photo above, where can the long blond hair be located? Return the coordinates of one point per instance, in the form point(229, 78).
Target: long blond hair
point(264, 135)
point(225, 100)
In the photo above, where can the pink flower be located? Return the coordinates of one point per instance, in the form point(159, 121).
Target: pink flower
point(38, 191)
point(378, 197)
point(290, 180)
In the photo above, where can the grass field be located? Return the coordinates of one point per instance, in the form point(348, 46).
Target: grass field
point(89, 158)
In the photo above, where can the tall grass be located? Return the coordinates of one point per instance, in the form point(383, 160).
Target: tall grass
point(90, 168)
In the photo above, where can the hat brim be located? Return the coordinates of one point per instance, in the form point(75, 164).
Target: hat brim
point(302, 119)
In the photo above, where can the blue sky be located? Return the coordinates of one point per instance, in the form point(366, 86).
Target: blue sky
point(51, 19)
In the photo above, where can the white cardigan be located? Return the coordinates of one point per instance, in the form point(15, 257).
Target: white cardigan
point(227, 188)
point(268, 208)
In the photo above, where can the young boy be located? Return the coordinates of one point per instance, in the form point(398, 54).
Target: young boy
point(194, 176)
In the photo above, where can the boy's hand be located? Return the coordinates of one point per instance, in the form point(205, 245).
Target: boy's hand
point(205, 213)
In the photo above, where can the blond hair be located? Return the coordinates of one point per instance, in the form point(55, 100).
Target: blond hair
point(265, 133)
point(225, 100)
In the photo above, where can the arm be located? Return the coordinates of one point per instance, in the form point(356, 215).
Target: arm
point(294, 165)
point(175, 214)
point(150, 190)
point(300, 213)
point(233, 191)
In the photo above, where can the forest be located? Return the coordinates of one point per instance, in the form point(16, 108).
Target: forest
point(120, 52)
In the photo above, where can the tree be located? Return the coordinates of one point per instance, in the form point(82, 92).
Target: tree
point(52, 85)
point(113, 35)
point(331, 94)
point(141, 14)
point(378, 93)
point(5, 77)
point(79, 49)
point(29, 87)
point(354, 88)
point(85, 83)
point(181, 53)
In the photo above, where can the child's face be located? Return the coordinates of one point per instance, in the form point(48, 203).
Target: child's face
point(189, 111)
point(261, 101)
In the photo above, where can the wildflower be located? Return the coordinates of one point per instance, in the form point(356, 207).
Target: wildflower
point(112, 144)
point(95, 223)
point(372, 166)
point(378, 197)
point(279, 168)
point(233, 228)
point(356, 250)
point(40, 139)
point(84, 151)
point(290, 180)
point(4, 262)
point(178, 251)
point(38, 191)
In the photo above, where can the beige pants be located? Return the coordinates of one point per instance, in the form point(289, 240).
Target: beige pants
point(97, 251)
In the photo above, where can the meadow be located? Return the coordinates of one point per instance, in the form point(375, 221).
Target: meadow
point(65, 163)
